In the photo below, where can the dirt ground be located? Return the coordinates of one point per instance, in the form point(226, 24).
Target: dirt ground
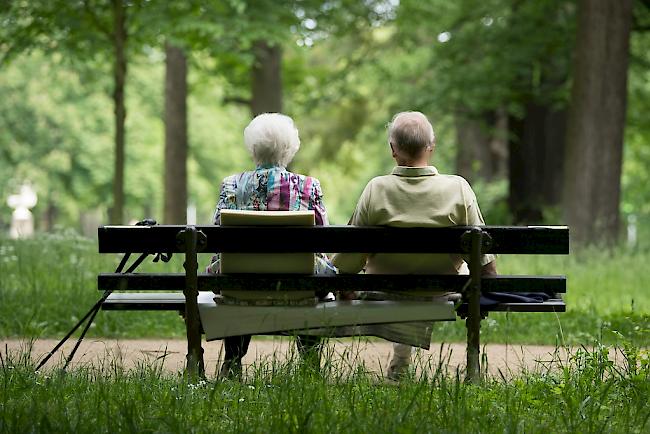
point(348, 354)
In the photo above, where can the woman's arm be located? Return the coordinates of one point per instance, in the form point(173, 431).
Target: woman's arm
point(320, 213)
point(226, 198)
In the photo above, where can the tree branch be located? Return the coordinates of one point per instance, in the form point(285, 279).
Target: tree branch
point(95, 19)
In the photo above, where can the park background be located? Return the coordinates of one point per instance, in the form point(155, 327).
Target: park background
point(116, 110)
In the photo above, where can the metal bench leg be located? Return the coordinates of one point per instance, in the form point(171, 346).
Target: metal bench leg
point(195, 366)
point(473, 321)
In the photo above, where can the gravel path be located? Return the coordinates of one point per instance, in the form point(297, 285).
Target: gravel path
point(345, 353)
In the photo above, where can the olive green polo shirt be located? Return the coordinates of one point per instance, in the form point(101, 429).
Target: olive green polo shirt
point(408, 197)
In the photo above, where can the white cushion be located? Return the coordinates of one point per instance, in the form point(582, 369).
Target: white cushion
point(291, 263)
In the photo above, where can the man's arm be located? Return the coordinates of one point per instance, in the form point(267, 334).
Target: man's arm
point(475, 218)
point(351, 263)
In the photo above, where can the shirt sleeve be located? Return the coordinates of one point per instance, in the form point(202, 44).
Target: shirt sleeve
point(354, 262)
point(474, 217)
point(226, 199)
point(320, 213)
point(360, 216)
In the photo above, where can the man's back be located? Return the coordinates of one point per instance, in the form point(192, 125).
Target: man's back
point(417, 196)
point(408, 197)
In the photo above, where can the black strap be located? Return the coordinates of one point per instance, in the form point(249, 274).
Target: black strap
point(90, 315)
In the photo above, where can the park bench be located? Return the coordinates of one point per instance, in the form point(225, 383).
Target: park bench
point(140, 291)
point(125, 289)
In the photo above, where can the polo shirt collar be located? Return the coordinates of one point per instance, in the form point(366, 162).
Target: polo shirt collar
point(414, 171)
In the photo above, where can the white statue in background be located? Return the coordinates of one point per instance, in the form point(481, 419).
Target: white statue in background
point(22, 221)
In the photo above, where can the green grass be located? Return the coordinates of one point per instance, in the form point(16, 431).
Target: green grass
point(589, 393)
point(49, 282)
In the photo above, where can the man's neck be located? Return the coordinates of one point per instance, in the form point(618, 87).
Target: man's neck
point(422, 162)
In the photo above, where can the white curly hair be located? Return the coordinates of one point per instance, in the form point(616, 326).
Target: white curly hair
point(272, 138)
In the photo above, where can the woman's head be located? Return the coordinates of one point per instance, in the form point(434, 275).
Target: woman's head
point(272, 138)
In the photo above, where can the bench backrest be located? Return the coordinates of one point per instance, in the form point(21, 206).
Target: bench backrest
point(552, 240)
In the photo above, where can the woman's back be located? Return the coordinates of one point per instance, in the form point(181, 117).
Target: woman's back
point(272, 188)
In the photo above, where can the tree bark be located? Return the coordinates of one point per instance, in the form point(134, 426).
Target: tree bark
point(536, 162)
point(472, 157)
point(482, 148)
point(119, 46)
point(51, 214)
point(597, 121)
point(175, 136)
point(266, 77)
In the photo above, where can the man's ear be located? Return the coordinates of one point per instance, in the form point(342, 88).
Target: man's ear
point(392, 150)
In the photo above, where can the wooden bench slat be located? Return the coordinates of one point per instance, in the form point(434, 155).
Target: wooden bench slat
point(554, 305)
point(175, 301)
point(369, 282)
point(154, 239)
point(145, 301)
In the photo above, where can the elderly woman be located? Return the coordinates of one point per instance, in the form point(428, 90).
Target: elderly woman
point(273, 140)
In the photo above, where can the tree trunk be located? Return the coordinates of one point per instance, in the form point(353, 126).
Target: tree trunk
point(472, 157)
point(482, 148)
point(266, 78)
point(597, 121)
point(536, 162)
point(499, 144)
point(51, 214)
point(175, 136)
point(119, 45)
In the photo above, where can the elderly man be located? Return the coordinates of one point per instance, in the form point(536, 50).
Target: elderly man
point(414, 194)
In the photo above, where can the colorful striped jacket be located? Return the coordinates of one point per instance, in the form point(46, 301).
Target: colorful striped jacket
point(272, 188)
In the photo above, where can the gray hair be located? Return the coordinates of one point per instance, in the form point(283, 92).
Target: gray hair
point(411, 132)
point(272, 138)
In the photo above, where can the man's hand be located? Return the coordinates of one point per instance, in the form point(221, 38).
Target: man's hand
point(489, 269)
point(347, 295)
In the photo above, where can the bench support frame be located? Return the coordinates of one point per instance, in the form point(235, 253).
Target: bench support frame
point(473, 320)
point(190, 238)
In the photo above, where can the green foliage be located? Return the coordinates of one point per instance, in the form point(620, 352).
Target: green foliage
point(590, 393)
point(348, 66)
point(478, 56)
point(53, 136)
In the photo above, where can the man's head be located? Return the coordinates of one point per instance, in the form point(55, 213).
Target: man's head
point(411, 138)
